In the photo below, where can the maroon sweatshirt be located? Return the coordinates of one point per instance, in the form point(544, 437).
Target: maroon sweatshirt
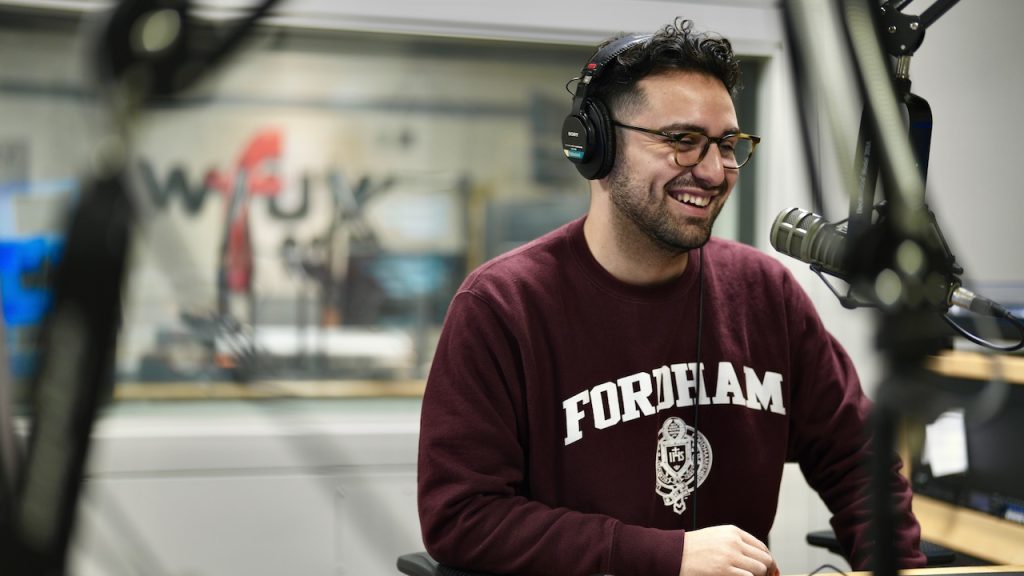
point(562, 433)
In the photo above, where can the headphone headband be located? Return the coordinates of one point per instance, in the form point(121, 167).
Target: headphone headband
point(588, 138)
point(599, 61)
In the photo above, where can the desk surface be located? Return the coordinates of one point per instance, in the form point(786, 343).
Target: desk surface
point(957, 364)
point(979, 535)
point(269, 389)
point(978, 366)
point(1004, 570)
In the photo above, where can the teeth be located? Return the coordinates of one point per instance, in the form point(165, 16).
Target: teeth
point(695, 200)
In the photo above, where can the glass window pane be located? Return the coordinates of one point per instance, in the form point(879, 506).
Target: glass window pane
point(309, 210)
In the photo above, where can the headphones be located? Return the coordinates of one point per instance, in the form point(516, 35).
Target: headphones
point(588, 137)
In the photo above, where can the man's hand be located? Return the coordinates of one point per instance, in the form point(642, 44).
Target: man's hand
point(725, 550)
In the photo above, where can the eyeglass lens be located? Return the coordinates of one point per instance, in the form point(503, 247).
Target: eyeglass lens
point(734, 150)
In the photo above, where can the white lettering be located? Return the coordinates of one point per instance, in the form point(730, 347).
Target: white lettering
point(612, 417)
point(767, 393)
point(677, 385)
point(686, 384)
point(573, 415)
point(728, 386)
point(636, 399)
point(666, 391)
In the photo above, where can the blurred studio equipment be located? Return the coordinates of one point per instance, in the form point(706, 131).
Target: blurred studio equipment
point(144, 49)
point(891, 253)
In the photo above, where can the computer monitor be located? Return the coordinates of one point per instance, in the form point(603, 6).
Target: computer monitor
point(993, 483)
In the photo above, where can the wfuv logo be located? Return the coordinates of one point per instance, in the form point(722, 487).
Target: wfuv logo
point(256, 174)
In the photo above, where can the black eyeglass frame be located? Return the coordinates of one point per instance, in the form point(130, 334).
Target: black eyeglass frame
point(676, 137)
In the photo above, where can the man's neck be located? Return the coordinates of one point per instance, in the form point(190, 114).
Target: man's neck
point(629, 255)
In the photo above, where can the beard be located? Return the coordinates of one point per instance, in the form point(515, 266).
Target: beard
point(639, 208)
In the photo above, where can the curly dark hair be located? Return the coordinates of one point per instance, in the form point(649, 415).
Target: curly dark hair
point(675, 47)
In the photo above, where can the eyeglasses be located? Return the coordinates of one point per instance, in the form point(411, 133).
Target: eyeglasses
point(690, 148)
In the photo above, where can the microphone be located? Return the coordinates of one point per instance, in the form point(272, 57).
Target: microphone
point(811, 239)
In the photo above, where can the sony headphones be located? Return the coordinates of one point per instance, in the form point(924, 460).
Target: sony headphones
point(588, 137)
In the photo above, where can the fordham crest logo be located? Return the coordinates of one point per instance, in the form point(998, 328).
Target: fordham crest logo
point(675, 465)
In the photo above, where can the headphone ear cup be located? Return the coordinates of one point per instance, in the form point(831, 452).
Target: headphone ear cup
point(603, 157)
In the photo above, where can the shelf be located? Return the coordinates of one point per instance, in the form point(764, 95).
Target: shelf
point(269, 389)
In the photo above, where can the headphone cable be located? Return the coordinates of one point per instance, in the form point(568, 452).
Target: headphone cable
point(696, 406)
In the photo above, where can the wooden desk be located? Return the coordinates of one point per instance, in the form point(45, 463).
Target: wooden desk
point(939, 571)
point(971, 532)
point(977, 366)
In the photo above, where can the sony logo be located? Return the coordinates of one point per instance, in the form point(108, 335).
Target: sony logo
point(574, 134)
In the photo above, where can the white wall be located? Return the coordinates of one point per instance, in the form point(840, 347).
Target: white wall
point(970, 71)
point(257, 489)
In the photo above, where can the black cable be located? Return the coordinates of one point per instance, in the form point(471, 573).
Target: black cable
point(696, 406)
point(935, 11)
point(981, 341)
point(196, 67)
point(824, 566)
point(239, 32)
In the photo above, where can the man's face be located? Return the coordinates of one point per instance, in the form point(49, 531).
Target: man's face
point(673, 206)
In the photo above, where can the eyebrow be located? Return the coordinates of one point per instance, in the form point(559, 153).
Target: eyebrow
point(686, 127)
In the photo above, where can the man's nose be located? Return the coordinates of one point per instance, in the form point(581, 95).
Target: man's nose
point(710, 171)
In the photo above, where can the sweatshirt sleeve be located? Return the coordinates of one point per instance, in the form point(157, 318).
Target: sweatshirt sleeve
point(473, 492)
point(831, 440)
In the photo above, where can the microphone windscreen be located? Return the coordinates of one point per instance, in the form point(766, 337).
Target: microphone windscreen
point(810, 238)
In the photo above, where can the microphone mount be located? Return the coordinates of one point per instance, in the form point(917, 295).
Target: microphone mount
point(904, 33)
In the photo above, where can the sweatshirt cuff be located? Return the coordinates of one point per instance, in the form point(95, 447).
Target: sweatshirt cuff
point(646, 551)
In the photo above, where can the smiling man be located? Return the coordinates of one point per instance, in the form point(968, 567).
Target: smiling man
point(619, 396)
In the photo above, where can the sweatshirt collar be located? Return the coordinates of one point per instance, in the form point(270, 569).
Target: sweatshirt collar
point(671, 289)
